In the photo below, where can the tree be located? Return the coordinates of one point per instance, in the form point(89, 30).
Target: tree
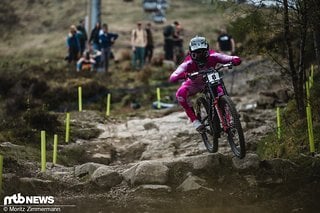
point(289, 32)
point(315, 24)
point(296, 69)
point(301, 16)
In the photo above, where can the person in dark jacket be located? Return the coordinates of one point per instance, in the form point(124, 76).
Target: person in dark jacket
point(82, 40)
point(94, 36)
point(106, 40)
point(149, 47)
point(82, 28)
point(83, 37)
point(73, 45)
point(225, 43)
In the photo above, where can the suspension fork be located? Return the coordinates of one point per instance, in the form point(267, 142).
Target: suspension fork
point(215, 106)
point(219, 112)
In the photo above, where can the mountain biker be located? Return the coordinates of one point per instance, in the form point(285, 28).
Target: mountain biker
point(200, 57)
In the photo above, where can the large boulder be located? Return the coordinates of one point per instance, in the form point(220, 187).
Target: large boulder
point(203, 162)
point(147, 172)
point(251, 161)
point(199, 163)
point(86, 169)
point(193, 183)
point(106, 177)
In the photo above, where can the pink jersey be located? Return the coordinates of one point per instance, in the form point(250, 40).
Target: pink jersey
point(191, 87)
point(189, 66)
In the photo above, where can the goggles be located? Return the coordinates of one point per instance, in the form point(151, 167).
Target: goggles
point(198, 55)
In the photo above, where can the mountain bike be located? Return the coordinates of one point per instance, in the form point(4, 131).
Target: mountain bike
point(216, 111)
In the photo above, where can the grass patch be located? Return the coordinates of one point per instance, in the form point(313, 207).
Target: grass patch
point(294, 132)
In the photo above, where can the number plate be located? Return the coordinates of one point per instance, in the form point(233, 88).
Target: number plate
point(213, 77)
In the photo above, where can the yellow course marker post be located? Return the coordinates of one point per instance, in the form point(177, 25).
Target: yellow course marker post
point(158, 98)
point(1, 170)
point(67, 127)
point(80, 98)
point(55, 149)
point(311, 77)
point(309, 120)
point(108, 104)
point(278, 123)
point(43, 151)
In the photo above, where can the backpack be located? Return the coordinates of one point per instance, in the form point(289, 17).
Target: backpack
point(168, 31)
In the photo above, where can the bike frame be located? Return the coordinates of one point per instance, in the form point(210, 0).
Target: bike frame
point(211, 94)
point(214, 100)
point(219, 118)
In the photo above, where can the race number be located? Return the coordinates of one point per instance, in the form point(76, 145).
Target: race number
point(213, 77)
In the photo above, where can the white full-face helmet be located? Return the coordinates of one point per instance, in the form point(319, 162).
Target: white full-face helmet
point(199, 50)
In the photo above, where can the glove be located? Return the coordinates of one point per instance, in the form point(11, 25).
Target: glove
point(236, 61)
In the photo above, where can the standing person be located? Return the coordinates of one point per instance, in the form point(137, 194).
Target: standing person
point(82, 40)
point(200, 57)
point(94, 36)
point(138, 43)
point(225, 43)
point(82, 29)
point(178, 50)
point(168, 34)
point(73, 45)
point(106, 40)
point(149, 47)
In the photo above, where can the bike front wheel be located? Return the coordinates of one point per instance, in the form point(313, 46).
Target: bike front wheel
point(234, 129)
point(204, 114)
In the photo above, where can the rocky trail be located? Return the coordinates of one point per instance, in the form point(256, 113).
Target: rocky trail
point(158, 163)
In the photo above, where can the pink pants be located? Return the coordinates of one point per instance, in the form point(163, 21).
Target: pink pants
point(186, 90)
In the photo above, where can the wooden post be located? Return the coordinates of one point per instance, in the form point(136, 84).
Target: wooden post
point(80, 98)
point(55, 149)
point(67, 127)
point(108, 104)
point(43, 151)
point(309, 120)
point(278, 123)
point(158, 97)
point(1, 171)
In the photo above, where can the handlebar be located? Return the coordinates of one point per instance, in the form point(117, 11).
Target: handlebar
point(194, 74)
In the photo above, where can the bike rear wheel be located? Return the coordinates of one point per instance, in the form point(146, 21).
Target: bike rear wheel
point(204, 114)
point(234, 128)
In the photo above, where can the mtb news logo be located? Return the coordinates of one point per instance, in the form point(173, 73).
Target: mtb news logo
point(18, 199)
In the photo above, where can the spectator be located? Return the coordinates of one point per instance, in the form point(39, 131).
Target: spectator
point(178, 51)
point(82, 40)
point(149, 47)
point(82, 29)
point(138, 43)
point(106, 40)
point(168, 33)
point(85, 62)
point(95, 54)
point(73, 45)
point(94, 36)
point(89, 60)
point(225, 43)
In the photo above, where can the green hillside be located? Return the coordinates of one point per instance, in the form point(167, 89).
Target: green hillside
point(38, 28)
point(37, 86)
